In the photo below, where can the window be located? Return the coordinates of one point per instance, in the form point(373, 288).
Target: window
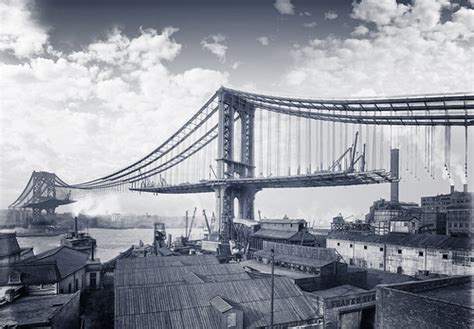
point(381, 249)
point(69, 288)
point(380, 265)
point(365, 247)
point(338, 244)
point(445, 256)
point(399, 251)
point(351, 261)
point(350, 245)
point(420, 253)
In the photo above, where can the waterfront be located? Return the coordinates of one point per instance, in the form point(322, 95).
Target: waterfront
point(110, 242)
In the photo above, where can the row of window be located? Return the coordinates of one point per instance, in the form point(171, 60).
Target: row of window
point(399, 251)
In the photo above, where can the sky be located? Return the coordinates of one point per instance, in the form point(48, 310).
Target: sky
point(87, 87)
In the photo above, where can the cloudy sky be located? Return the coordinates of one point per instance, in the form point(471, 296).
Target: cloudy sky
point(86, 87)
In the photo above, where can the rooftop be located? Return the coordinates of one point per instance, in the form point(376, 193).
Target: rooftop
point(31, 274)
point(265, 270)
point(8, 244)
point(27, 311)
point(411, 240)
point(67, 259)
point(194, 306)
point(297, 260)
point(160, 261)
point(283, 221)
point(175, 275)
point(343, 290)
point(282, 234)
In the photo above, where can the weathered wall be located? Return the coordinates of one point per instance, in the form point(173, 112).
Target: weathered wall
point(64, 283)
point(403, 309)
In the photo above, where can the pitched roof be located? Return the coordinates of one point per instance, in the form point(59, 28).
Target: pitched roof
point(283, 234)
point(178, 275)
point(8, 244)
point(304, 261)
point(282, 221)
point(189, 306)
point(27, 311)
point(67, 259)
point(221, 304)
point(410, 240)
point(31, 274)
point(160, 261)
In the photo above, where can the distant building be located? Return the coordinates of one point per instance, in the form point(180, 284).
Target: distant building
point(382, 212)
point(455, 208)
point(404, 224)
point(405, 253)
point(434, 303)
point(10, 251)
point(51, 311)
point(288, 231)
point(56, 271)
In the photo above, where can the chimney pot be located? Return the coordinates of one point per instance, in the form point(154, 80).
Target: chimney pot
point(464, 188)
point(452, 188)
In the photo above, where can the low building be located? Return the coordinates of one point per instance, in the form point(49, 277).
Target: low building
point(287, 231)
point(56, 271)
point(10, 251)
point(405, 253)
point(404, 224)
point(51, 311)
point(382, 211)
point(345, 306)
point(435, 303)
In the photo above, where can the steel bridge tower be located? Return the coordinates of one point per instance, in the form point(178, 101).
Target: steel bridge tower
point(234, 166)
point(44, 188)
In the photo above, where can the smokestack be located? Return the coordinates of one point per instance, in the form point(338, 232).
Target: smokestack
point(464, 187)
point(75, 225)
point(452, 189)
point(394, 167)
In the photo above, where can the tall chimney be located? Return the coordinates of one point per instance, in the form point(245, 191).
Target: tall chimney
point(75, 225)
point(452, 189)
point(464, 187)
point(394, 155)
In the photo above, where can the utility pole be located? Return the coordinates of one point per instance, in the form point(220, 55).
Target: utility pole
point(272, 292)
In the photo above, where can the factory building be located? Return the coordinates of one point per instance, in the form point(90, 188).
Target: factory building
point(409, 254)
point(436, 303)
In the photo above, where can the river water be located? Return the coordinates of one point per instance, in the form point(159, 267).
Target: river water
point(109, 242)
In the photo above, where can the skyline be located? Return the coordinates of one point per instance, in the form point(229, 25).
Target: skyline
point(116, 80)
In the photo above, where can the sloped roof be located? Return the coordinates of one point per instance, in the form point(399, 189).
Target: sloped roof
point(31, 274)
point(160, 261)
point(283, 234)
point(189, 306)
point(221, 304)
point(28, 311)
point(304, 261)
point(282, 221)
point(8, 244)
point(177, 275)
point(410, 240)
point(68, 260)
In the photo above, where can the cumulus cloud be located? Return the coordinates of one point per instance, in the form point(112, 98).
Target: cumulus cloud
point(310, 24)
point(410, 50)
point(284, 7)
point(20, 35)
point(330, 15)
point(236, 65)
point(103, 102)
point(216, 45)
point(263, 40)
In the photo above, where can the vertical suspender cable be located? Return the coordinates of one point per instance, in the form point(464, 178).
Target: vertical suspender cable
point(321, 149)
point(260, 141)
point(289, 145)
point(333, 143)
point(308, 127)
point(278, 145)
point(298, 134)
point(269, 144)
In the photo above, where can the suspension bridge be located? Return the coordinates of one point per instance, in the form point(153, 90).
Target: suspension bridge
point(239, 143)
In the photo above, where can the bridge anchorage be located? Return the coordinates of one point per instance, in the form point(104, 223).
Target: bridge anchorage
point(41, 194)
point(239, 143)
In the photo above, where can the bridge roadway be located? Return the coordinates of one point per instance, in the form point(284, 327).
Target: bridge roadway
point(327, 178)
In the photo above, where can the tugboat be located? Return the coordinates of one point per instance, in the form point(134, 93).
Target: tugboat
point(79, 240)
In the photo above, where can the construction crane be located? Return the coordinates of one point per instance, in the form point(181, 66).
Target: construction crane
point(192, 222)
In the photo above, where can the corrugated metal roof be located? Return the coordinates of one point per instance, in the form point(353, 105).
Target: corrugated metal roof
point(176, 275)
point(304, 261)
point(159, 261)
point(410, 240)
point(284, 235)
point(282, 221)
point(67, 259)
point(189, 306)
point(221, 304)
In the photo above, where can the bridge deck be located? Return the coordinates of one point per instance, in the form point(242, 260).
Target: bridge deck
point(46, 204)
point(308, 180)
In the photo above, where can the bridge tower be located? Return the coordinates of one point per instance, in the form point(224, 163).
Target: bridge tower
point(231, 166)
point(44, 188)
